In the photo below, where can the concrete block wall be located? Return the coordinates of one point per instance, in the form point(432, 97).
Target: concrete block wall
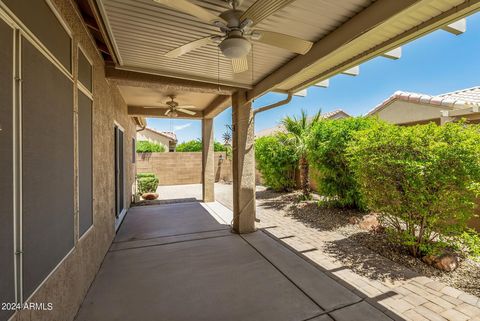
point(182, 168)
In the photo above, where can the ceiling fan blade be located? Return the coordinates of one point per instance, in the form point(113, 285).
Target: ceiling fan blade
point(177, 52)
point(186, 111)
point(261, 9)
point(167, 112)
point(281, 40)
point(191, 9)
point(186, 107)
point(239, 65)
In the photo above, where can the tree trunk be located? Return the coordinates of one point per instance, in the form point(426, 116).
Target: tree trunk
point(304, 176)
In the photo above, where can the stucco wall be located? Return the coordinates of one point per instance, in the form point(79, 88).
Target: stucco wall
point(182, 168)
point(402, 112)
point(154, 138)
point(66, 287)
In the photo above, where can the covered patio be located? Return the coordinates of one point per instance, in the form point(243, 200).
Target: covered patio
point(78, 79)
point(182, 262)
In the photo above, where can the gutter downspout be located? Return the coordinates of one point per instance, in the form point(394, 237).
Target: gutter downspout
point(274, 105)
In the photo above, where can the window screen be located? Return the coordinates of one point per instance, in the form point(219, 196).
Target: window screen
point(84, 71)
point(40, 19)
point(7, 284)
point(85, 161)
point(47, 164)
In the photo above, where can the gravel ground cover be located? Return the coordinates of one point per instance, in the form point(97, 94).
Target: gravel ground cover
point(353, 249)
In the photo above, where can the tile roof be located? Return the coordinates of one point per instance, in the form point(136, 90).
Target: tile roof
point(280, 128)
point(454, 100)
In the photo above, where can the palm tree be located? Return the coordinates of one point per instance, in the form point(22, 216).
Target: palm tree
point(299, 129)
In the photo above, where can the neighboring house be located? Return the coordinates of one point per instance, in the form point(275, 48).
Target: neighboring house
point(167, 139)
point(336, 114)
point(404, 108)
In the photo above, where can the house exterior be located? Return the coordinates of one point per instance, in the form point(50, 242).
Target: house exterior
point(405, 108)
point(167, 139)
point(336, 114)
point(76, 76)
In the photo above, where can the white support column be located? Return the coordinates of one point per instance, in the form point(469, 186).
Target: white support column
point(208, 161)
point(243, 164)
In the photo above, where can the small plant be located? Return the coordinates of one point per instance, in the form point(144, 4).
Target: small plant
point(144, 146)
point(276, 161)
point(147, 183)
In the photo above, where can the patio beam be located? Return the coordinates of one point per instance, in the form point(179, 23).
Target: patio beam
point(208, 161)
point(368, 19)
point(456, 28)
point(138, 111)
point(324, 83)
point(462, 10)
point(218, 104)
point(145, 80)
point(393, 54)
point(354, 71)
point(243, 164)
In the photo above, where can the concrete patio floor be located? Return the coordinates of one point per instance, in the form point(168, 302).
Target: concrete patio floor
point(181, 262)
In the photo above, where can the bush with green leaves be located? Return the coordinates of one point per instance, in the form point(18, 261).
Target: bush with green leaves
point(147, 183)
point(327, 145)
point(422, 180)
point(144, 146)
point(277, 161)
point(196, 146)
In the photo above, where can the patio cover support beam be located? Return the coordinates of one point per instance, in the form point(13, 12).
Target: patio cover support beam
point(145, 80)
point(243, 164)
point(367, 19)
point(139, 111)
point(457, 28)
point(208, 161)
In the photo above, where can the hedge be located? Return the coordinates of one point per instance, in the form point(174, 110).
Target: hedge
point(196, 146)
point(144, 146)
point(327, 145)
point(276, 160)
point(423, 180)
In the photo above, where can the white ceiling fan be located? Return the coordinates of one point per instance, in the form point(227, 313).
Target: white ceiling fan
point(236, 28)
point(174, 108)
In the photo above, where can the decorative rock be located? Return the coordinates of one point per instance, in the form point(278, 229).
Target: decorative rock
point(369, 222)
point(150, 196)
point(447, 262)
point(353, 220)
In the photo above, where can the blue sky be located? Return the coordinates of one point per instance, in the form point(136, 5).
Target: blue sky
point(437, 63)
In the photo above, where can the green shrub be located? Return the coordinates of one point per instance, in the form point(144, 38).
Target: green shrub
point(142, 175)
point(144, 146)
point(147, 184)
point(469, 241)
point(196, 146)
point(276, 160)
point(327, 146)
point(423, 180)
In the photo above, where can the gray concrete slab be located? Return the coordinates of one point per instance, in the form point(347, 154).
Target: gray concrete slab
point(359, 311)
point(220, 278)
point(177, 262)
point(145, 222)
point(326, 292)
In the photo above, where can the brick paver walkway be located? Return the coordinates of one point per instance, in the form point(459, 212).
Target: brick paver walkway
point(412, 297)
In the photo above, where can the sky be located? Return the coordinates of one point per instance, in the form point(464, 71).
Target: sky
point(434, 64)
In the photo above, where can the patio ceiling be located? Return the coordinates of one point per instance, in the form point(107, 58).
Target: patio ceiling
point(345, 34)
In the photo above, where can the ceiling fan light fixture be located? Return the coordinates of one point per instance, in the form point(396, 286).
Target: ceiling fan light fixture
point(235, 47)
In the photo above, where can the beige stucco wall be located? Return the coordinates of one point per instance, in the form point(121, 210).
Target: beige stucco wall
point(153, 137)
point(402, 112)
point(69, 282)
point(182, 168)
